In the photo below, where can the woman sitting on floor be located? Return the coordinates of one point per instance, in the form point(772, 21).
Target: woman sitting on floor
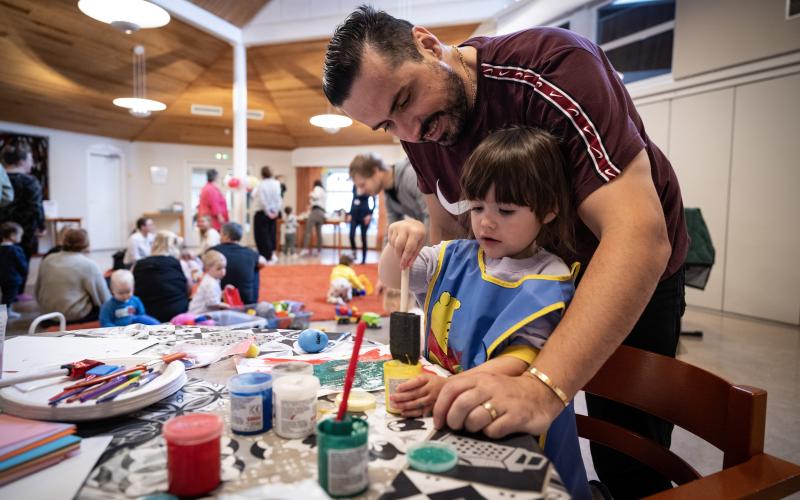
point(160, 281)
point(70, 282)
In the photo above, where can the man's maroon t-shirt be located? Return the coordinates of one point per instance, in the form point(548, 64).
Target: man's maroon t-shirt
point(553, 79)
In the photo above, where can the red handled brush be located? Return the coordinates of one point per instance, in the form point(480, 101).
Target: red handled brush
point(351, 369)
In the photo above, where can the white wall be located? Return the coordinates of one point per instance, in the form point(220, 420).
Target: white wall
point(341, 156)
point(179, 160)
point(68, 157)
point(68, 160)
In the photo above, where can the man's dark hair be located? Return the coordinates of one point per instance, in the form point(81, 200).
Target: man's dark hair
point(141, 222)
point(266, 172)
point(390, 36)
point(233, 230)
point(15, 151)
point(211, 175)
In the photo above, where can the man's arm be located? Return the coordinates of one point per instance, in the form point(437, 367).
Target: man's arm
point(443, 225)
point(634, 249)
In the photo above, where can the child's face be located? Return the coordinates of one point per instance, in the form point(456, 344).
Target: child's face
point(16, 237)
point(123, 292)
point(504, 230)
point(217, 271)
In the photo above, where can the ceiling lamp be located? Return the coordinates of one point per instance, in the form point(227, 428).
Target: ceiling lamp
point(138, 105)
point(126, 15)
point(330, 122)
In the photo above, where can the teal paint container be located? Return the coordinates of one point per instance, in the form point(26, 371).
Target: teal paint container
point(343, 456)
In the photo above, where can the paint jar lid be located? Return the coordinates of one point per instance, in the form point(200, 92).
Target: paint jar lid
point(296, 386)
point(358, 400)
point(432, 456)
point(250, 382)
point(195, 428)
point(292, 368)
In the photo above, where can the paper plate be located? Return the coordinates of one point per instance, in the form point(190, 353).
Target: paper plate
point(33, 403)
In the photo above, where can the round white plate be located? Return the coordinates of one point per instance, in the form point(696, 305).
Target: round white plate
point(34, 403)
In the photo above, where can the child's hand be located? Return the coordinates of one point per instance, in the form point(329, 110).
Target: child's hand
point(407, 237)
point(416, 397)
point(228, 287)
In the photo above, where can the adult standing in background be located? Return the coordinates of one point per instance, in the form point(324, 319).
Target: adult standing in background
point(399, 182)
point(6, 189)
point(26, 209)
point(140, 242)
point(268, 205)
point(212, 201)
point(160, 281)
point(70, 282)
point(360, 217)
point(316, 217)
point(441, 101)
point(371, 175)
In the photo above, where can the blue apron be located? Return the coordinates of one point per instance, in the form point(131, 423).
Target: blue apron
point(470, 317)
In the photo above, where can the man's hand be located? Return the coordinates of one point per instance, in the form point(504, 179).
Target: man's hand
point(407, 237)
point(367, 220)
point(522, 403)
point(416, 397)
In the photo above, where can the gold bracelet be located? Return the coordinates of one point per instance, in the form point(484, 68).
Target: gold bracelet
point(549, 383)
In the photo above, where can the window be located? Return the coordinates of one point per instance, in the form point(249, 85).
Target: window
point(637, 36)
point(339, 188)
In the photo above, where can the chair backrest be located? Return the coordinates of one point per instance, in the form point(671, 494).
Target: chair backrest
point(730, 417)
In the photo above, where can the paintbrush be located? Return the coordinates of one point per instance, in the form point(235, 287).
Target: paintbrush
point(144, 366)
point(351, 369)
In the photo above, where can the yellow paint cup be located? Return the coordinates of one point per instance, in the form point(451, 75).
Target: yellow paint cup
point(395, 372)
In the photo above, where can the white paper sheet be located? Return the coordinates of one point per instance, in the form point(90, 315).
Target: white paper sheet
point(60, 481)
point(23, 353)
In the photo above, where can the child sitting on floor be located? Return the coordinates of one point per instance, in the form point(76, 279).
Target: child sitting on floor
point(344, 282)
point(13, 265)
point(208, 295)
point(123, 308)
point(491, 302)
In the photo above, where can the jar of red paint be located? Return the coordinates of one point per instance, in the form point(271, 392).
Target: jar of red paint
point(193, 453)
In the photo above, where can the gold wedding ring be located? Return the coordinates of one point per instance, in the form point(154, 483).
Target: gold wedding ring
point(491, 409)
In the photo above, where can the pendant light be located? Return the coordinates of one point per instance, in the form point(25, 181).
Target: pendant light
point(330, 122)
point(138, 105)
point(127, 16)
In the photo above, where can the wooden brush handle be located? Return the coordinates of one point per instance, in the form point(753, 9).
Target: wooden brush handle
point(404, 289)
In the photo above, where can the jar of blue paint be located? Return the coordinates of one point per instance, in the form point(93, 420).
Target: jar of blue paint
point(251, 403)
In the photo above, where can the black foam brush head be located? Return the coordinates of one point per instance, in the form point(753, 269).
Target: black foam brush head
point(404, 336)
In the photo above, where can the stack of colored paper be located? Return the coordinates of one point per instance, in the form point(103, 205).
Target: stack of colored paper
point(27, 446)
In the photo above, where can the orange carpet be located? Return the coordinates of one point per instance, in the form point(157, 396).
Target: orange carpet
point(309, 284)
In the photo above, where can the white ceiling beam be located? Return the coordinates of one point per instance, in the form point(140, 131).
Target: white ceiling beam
point(272, 25)
point(202, 19)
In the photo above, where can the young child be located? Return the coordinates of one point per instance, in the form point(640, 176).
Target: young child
point(192, 266)
point(13, 265)
point(208, 295)
point(490, 303)
point(289, 231)
point(344, 281)
point(124, 308)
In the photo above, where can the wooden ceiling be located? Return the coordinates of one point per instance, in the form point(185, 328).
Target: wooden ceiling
point(238, 12)
point(62, 69)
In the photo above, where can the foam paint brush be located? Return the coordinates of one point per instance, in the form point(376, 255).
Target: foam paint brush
point(404, 342)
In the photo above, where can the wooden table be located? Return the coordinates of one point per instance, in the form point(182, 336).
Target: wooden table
point(52, 226)
point(301, 225)
point(169, 221)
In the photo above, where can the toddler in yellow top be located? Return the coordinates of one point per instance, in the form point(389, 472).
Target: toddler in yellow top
point(344, 281)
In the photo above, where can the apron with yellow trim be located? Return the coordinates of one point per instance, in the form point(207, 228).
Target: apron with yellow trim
point(470, 316)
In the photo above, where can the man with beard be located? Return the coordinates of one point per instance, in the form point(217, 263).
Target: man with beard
point(441, 101)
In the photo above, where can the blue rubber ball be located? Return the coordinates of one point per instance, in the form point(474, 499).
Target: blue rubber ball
point(312, 340)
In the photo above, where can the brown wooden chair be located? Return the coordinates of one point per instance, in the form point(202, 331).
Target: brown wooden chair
point(730, 417)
